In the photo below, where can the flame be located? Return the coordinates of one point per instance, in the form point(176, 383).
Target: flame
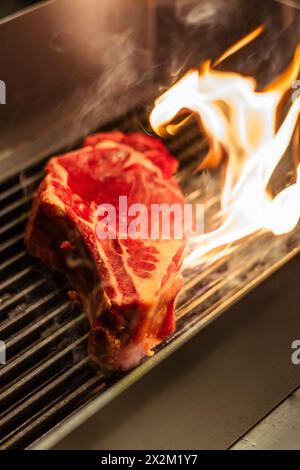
point(241, 126)
point(241, 43)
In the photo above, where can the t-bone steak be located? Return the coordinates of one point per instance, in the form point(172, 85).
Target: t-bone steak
point(127, 286)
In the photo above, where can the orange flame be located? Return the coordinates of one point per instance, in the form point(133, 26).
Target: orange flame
point(240, 124)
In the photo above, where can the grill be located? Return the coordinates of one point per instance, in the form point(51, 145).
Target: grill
point(48, 377)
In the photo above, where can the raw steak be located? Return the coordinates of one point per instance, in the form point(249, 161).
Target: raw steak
point(127, 286)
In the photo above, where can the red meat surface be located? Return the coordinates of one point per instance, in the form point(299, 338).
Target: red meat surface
point(127, 286)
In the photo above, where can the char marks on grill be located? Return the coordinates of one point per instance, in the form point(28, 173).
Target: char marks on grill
point(127, 286)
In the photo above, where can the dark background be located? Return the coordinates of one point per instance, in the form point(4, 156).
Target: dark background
point(8, 7)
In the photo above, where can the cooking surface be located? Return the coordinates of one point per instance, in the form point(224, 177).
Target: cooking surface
point(47, 372)
point(216, 387)
point(48, 377)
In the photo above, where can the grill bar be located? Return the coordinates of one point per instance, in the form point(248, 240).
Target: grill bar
point(38, 404)
point(13, 366)
point(9, 209)
point(36, 326)
point(21, 186)
point(12, 260)
point(39, 372)
point(26, 314)
point(13, 223)
point(49, 415)
point(11, 242)
point(27, 290)
point(16, 277)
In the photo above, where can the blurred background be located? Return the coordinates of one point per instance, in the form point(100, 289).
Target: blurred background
point(8, 7)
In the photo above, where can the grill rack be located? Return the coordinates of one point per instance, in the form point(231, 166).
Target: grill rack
point(48, 377)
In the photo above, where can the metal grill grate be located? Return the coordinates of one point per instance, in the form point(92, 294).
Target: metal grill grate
point(47, 374)
point(47, 377)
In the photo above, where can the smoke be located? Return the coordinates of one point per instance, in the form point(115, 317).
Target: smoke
point(204, 12)
point(195, 31)
point(118, 87)
point(106, 80)
point(113, 93)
